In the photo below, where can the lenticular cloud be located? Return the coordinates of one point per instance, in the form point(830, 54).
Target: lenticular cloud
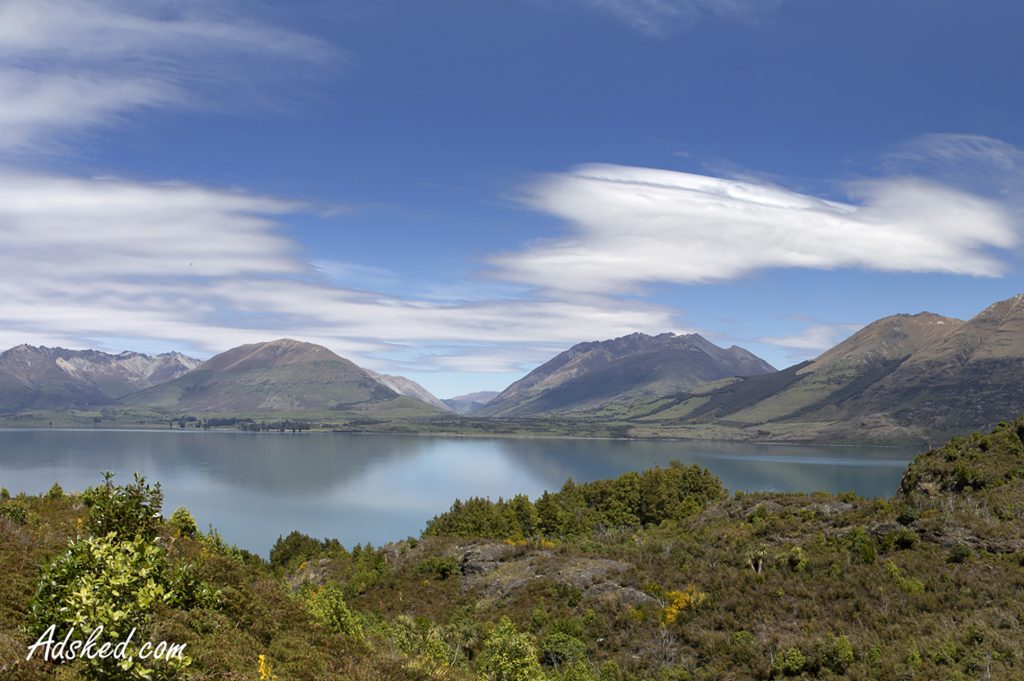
point(632, 226)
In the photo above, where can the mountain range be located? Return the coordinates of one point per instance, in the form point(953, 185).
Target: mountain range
point(45, 378)
point(901, 378)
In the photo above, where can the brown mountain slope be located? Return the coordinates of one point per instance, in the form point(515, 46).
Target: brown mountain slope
point(590, 375)
point(854, 364)
point(965, 380)
point(281, 375)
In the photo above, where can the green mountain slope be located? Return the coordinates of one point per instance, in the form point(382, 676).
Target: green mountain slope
point(283, 375)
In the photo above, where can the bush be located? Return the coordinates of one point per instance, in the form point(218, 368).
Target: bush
point(182, 522)
point(55, 492)
point(902, 539)
point(126, 510)
point(558, 648)
point(13, 511)
point(959, 553)
point(327, 606)
point(838, 654)
point(908, 585)
point(438, 567)
point(509, 655)
point(790, 663)
point(861, 546)
point(116, 583)
point(288, 552)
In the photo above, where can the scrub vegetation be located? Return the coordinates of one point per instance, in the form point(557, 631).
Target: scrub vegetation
point(654, 576)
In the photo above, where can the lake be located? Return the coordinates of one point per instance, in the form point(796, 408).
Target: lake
point(254, 487)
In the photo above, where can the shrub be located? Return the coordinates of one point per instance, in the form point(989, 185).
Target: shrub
point(55, 492)
point(182, 522)
point(677, 602)
point(861, 546)
point(297, 547)
point(790, 663)
point(908, 585)
point(438, 567)
point(13, 511)
point(838, 654)
point(558, 648)
point(116, 583)
point(509, 655)
point(327, 606)
point(902, 539)
point(796, 559)
point(959, 553)
point(126, 510)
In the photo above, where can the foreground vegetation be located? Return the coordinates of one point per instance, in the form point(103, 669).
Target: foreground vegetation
point(658, 576)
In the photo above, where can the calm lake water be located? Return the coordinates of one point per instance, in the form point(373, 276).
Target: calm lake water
point(254, 487)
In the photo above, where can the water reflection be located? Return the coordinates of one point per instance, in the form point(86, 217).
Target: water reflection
point(256, 486)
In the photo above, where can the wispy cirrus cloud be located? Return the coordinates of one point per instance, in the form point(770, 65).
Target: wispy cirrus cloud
point(659, 17)
point(634, 226)
point(67, 66)
point(88, 259)
point(812, 339)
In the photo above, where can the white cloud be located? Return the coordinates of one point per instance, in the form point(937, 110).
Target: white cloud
point(816, 338)
point(662, 16)
point(70, 65)
point(208, 269)
point(632, 226)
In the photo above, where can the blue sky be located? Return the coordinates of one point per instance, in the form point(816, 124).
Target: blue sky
point(454, 191)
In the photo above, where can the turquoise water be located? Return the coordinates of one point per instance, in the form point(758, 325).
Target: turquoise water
point(254, 487)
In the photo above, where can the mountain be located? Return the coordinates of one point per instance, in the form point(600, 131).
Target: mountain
point(408, 387)
point(843, 371)
point(45, 378)
point(901, 378)
point(471, 402)
point(281, 375)
point(590, 375)
point(969, 378)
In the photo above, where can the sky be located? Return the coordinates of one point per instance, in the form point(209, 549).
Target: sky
point(456, 191)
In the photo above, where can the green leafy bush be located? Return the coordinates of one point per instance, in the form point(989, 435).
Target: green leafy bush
point(125, 510)
point(288, 552)
point(327, 606)
point(558, 648)
point(182, 522)
point(13, 511)
point(438, 567)
point(509, 655)
point(789, 663)
point(115, 583)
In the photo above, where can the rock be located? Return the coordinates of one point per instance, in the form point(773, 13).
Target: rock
point(614, 593)
point(830, 508)
point(312, 572)
point(480, 559)
point(770, 507)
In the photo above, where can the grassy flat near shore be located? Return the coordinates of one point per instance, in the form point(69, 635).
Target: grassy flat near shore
point(405, 417)
point(656, 576)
